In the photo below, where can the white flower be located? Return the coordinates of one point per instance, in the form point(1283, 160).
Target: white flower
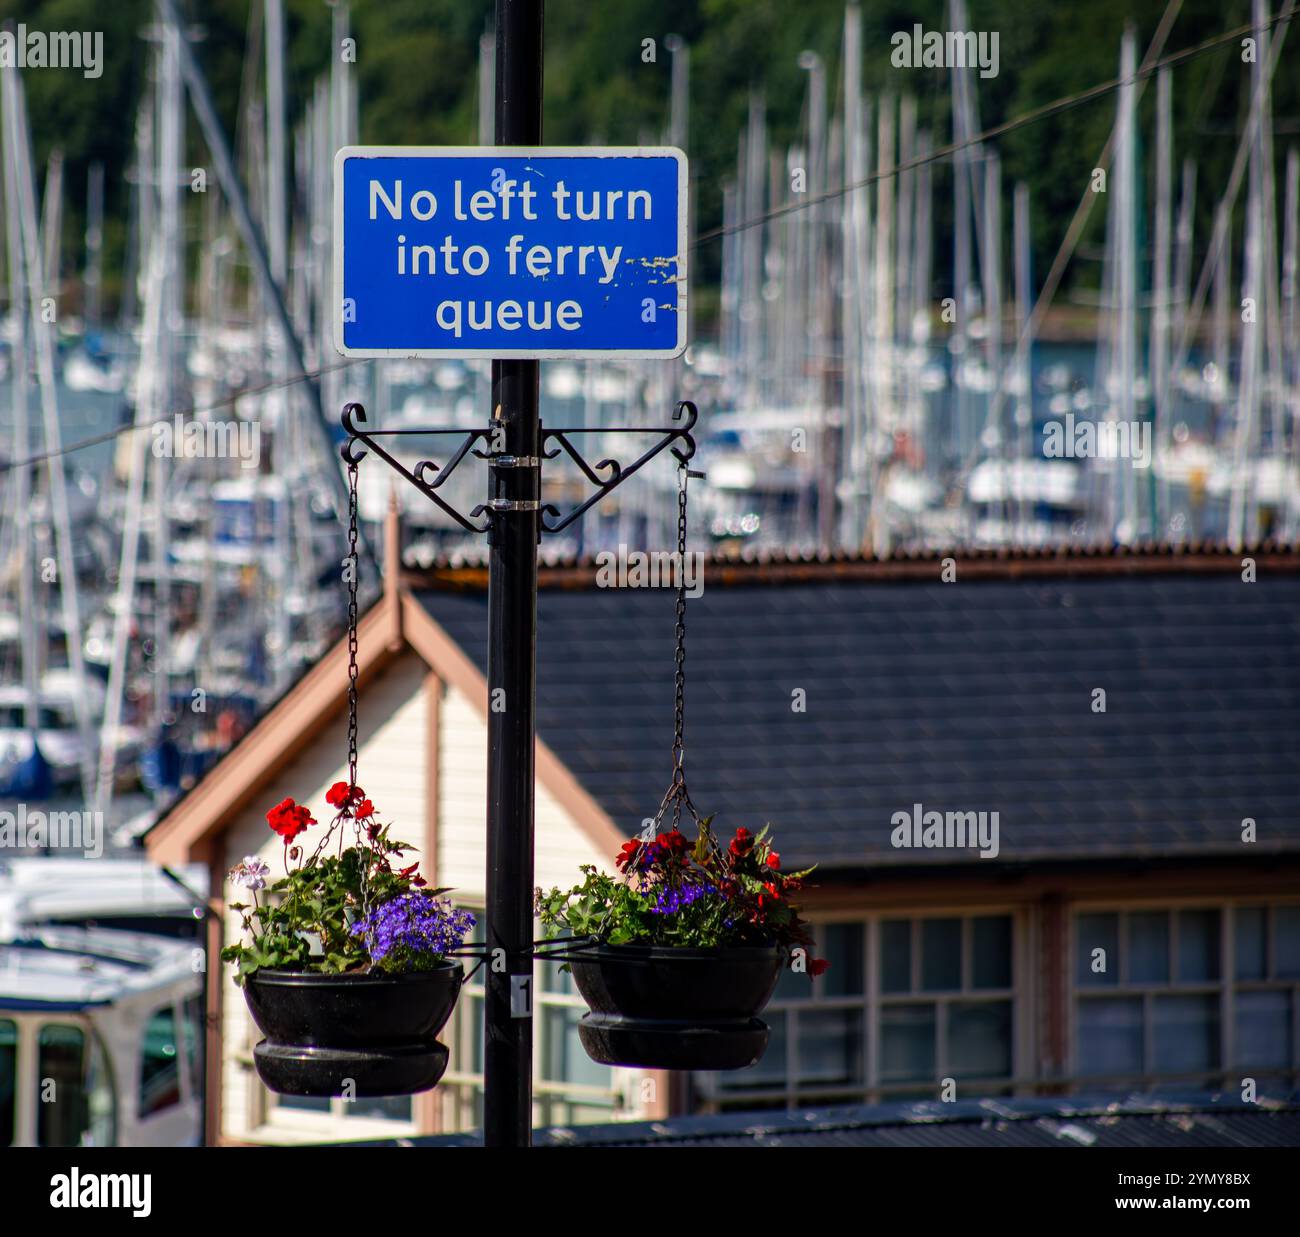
point(251, 872)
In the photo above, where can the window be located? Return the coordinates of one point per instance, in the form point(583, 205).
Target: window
point(569, 1088)
point(1200, 995)
point(61, 1111)
point(941, 1005)
point(374, 1108)
point(101, 1098)
point(192, 1027)
point(160, 1069)
point(8, 1080)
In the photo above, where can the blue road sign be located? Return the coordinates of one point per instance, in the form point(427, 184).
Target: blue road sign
point(499, 251)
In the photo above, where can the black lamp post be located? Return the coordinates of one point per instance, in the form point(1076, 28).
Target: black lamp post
point(514, 494)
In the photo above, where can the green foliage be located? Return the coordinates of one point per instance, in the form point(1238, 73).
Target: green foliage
point(417, 63)
point(304, 921)
point(675, 892)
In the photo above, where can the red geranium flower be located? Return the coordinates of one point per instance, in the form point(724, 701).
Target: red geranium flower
point(818, 966)
point(342, 796)
point(364, 808)
point(741, 844)
point(774, 860)
point(628, 853)
point(769, 893)
point(289, 819)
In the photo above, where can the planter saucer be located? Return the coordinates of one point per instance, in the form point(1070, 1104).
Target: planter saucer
point(661, 1044)
point(290, 1069)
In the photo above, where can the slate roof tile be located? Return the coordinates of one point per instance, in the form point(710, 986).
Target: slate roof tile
point(959, 697)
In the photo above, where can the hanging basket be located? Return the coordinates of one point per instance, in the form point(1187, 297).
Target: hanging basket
point(659, 1007)
point(355, 1034)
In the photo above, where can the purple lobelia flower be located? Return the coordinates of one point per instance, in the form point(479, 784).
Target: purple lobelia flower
point(412, 928)
point(671, 900)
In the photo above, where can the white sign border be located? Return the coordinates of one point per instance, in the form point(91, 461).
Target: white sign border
point(514, 152)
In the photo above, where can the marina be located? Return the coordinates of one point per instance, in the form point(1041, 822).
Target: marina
point(899, 362)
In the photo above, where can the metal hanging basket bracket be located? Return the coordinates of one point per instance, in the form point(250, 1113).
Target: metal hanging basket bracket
point(606, 475)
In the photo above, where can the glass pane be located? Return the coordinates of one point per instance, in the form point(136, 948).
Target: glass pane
point(792, 985)
point(473, 1013)
point(896, 955)
point(991, 951)
point(1198, 945)
point(8, 1080)
point(940, 955)
point(1252, 962)
point(192, 1024)
point(979, 1039)
point(303, 1103)
point(1263, 1029)
point(1286, 942)
point(1109, 1036)
point(841, 944)
point(829, 1050)
point(563, 1057)
point(1148, 948)
point(160, 1075)
point(1093, 933)
point(907, 1043)
point(62, 1117)
point(101, 1101)
point(380, 1107)
point(553, 978)
point(1186, 1033)
point(768, 1075)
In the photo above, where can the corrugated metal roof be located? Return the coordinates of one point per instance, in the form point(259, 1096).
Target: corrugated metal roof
point(1191, 1120)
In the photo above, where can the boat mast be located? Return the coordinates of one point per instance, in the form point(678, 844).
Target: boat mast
point(22, 429)
point(1290, 374)
point(1126, 279)
point(1024, 413)
point(93, 277)
point(171, 118)
point(43, 328)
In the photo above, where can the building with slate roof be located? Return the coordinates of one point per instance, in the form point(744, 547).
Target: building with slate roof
point(1129, 722)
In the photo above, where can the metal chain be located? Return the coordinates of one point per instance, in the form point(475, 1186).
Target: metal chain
point(354, 568)
point(678, 796)
point(679, 675)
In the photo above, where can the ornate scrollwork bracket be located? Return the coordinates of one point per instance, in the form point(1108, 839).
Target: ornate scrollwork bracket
point(605, 475)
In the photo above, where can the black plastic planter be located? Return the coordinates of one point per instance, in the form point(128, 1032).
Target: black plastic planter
point(663, 1008)
point(372, 1031)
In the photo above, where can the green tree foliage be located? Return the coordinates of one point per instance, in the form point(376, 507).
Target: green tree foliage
point(417, 77)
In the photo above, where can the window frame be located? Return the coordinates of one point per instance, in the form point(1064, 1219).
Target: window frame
point(15, 1132)
point(1228, 1073)
point(871, 1001)
point(461, 1088)
point(183, 1089)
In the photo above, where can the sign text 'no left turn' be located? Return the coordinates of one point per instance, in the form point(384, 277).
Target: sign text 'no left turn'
point(503, 252)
